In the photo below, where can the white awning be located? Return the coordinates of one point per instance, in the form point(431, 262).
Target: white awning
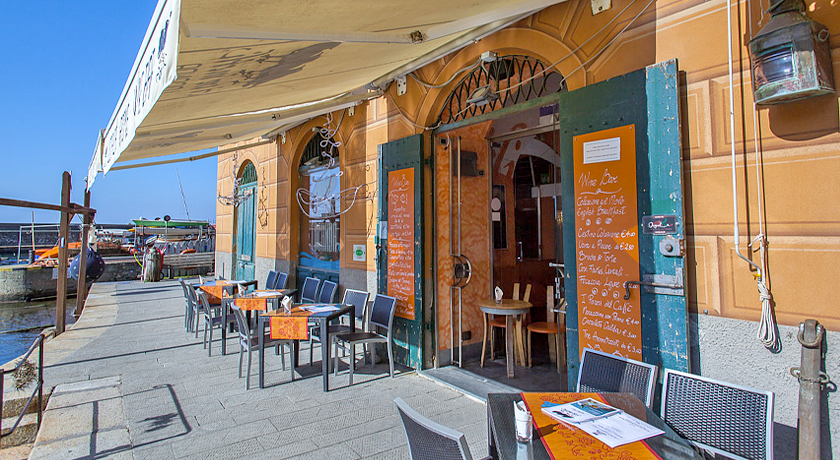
point(214, 72)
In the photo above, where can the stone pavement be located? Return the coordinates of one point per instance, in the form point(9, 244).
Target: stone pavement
point(131, 383)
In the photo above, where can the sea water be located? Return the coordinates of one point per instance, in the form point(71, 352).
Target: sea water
point(21, 322)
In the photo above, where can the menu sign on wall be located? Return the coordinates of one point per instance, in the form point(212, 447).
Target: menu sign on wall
point(607, 241)
point(401, 240)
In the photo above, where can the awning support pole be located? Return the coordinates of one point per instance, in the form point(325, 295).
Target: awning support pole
point(63, 233)
point(81, 282)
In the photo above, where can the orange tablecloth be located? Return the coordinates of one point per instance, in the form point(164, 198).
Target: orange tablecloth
point(214, 293)
point(246, 304)
point(564, 441)
point(293, 326)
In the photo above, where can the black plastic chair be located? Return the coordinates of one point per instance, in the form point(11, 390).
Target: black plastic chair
point(381, 317)
point(720, 417)
point(428, 440)
point(250, 341)
point(603, 372)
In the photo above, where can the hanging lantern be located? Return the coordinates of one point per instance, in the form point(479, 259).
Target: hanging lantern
point(790, 56)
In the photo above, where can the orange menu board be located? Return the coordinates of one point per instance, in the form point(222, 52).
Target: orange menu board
point(401, 240)
point(607, 241)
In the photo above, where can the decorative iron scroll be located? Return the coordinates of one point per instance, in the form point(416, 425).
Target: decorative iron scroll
point(504, 77)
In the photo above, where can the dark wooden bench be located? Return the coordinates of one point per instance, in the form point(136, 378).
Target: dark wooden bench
point(196, 263)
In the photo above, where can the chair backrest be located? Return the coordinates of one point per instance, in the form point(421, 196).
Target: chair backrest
point(327, 294)
point(280, 281)
point(382, 311)
point(526, 296)
point(309, 290)
point(241, 323)
point(185, 288)
point(601, 371)
point(271, 279)
point(358, 299)
point(428, 440)
point(727, 419)
point(205, 305)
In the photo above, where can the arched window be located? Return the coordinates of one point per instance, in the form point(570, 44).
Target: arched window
point(504, 82)
point(320, 204)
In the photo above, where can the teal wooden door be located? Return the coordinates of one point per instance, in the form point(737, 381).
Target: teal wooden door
point(245, 226)
point(399, 239)
point(634, 113)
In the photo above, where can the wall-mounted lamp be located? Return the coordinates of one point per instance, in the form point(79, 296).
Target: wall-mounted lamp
point(790, 56)
point(482, 95)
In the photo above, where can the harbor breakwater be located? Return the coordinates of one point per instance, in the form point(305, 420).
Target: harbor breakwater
point(23, 282)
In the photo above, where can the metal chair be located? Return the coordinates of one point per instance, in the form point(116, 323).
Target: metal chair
point(250, 341)
point(213, 318)
point(188, 308)
point(271, 279)
point(280, 281)
point(359, 300)
point(723, 418)
point(381, 316)
point(309, 290)
point(601, 371)
point(428, 440)
point(327, 294)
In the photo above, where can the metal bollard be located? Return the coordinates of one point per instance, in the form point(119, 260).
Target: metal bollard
point(811, 381)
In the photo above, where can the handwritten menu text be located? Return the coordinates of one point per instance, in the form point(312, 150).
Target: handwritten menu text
point(401, 240)
point(607, 241)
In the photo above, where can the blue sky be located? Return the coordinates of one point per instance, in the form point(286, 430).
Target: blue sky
point(63, 68)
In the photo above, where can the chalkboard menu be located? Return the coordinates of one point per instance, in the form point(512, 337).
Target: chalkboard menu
point(607, 241)
point(401, 240)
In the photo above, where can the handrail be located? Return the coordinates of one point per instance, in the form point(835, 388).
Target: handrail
point(39, 389)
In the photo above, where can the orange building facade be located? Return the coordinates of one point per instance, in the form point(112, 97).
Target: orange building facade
point(787, 166)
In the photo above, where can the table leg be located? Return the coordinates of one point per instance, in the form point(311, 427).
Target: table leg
point(509, 348)
point(261, 364)
point(325, 353)
point(295, 353)
point(519, 342)
point(225, 312)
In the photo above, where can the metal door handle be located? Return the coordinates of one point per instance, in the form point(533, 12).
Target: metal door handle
point(627, 285)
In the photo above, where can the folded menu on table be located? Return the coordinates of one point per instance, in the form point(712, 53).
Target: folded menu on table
point(608, 424)
point(318, 308)
point(267, 293)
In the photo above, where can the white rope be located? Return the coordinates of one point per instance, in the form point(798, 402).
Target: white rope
point(767, 324)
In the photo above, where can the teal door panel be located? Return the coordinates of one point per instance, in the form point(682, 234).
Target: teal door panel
point(395, 156)
point(245, 229)
point(649, 100)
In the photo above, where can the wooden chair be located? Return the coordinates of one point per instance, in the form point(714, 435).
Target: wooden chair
point(500, 322)
point(551, 327)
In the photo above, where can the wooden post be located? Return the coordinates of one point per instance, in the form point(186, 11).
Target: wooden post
point(63, 233)
point(81, 284)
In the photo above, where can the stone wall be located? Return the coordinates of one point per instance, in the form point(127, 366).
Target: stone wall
point(24, 283)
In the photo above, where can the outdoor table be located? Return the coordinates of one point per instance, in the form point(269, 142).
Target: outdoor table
point(510, 309)
point(323, 320)
point(255, 301)
point(216, 289)
point(564, 441)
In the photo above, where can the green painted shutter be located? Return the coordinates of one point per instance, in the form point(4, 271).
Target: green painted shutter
point(393, 156)
point(646, 98)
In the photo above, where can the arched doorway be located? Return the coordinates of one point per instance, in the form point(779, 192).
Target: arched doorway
point(319, 199)
point(245, 224)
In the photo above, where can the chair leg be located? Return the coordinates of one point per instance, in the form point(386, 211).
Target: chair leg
point(204, 341)
point(390, 358)
point(352, 360)
point(530, 350)
point(335, 356)
point(210, 343)
point(240, 360)
point(484, 341)
point(248, 375)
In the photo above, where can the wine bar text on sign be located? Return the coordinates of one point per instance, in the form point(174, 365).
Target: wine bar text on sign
point(607, 241)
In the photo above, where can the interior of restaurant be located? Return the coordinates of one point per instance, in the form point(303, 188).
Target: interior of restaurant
point(502, 175)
